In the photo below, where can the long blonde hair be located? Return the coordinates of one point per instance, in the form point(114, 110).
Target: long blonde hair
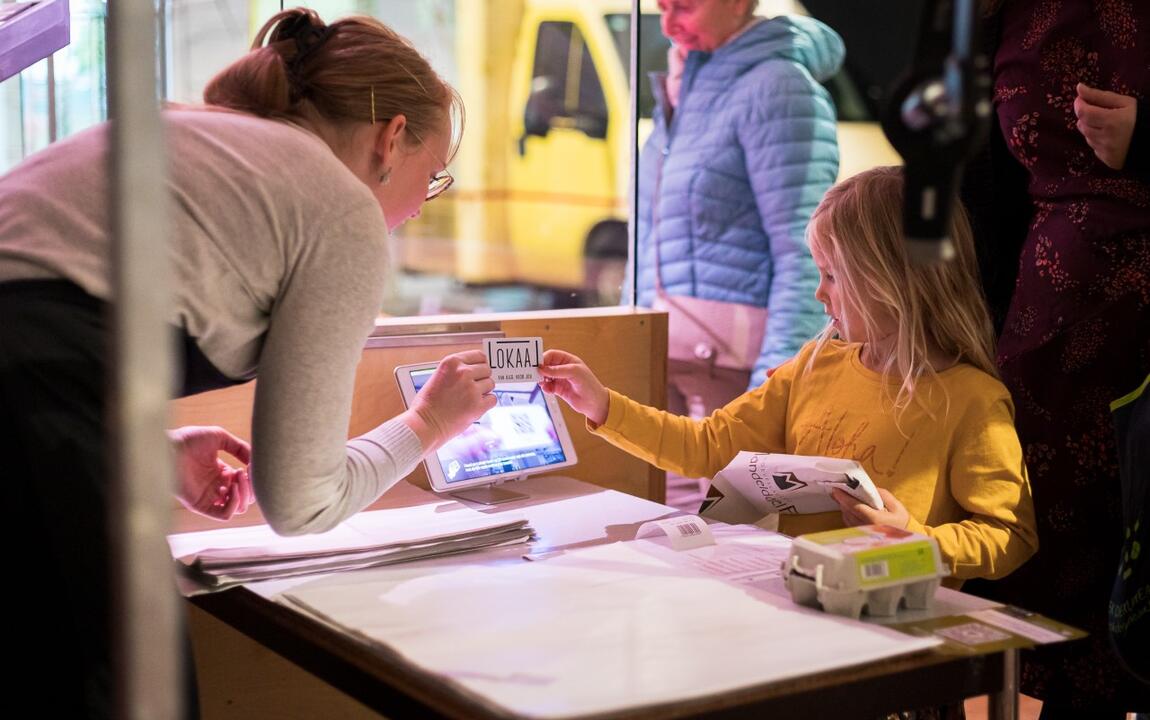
point(939, 306)
point(355, 70)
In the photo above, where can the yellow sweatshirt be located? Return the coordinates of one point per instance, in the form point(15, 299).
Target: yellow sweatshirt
point(960, 473)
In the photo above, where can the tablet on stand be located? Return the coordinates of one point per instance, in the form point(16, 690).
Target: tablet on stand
point(523, 435)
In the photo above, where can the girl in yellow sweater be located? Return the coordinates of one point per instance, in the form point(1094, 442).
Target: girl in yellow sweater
point(901, 380)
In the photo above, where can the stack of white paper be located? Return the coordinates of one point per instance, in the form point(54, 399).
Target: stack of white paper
point(226, 557)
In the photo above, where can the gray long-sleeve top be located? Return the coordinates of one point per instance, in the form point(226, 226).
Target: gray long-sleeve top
point(279, 255)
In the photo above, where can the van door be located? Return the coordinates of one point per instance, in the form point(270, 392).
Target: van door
point(561, 175)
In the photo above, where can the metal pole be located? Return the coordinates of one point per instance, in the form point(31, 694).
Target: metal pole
point(633, 192)
point(145, 605)
point(163, 17)
point(51, 64)
point(1004, 705)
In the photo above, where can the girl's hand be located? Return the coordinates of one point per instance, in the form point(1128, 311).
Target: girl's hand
point(568, 377)
point(856, 512)
point(206, 484)
point(458, 394)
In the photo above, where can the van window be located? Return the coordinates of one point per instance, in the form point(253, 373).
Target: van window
point(564, 69)
point(653, 47)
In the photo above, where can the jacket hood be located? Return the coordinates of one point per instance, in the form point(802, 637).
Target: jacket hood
point(803, 40)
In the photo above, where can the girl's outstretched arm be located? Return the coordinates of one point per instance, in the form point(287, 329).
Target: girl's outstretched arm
point(692, 448)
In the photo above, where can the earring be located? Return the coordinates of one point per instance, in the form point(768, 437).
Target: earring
point(385, 177)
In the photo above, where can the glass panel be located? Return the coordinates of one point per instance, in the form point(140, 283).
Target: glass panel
point(11, 134)
point(28, 122)
point(202, 37)
point(536, 217)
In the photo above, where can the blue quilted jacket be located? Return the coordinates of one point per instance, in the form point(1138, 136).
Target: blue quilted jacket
point(748, 154)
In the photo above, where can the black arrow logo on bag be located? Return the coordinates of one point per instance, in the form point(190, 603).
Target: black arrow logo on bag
point(714, 495)
point(787, 481)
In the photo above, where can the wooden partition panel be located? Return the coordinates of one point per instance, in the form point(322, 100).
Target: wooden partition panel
point(627, 348)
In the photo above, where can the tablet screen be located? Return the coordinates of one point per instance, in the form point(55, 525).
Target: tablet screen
point(515, 437)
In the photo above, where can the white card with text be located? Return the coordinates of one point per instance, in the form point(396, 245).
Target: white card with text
point(514, 359)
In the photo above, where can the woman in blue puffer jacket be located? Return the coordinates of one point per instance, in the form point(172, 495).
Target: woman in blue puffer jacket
point(742, 150)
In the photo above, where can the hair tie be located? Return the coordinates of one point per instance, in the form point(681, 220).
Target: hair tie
point(308, 38)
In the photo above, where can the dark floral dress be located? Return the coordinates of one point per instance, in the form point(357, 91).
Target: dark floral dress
point(1077, 333)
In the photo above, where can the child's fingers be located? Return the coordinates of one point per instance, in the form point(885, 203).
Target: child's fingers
point(559, 357)
point(855, 512)
point(864, 515)
point(845, 500)
point(555, 386)
point(562, 371)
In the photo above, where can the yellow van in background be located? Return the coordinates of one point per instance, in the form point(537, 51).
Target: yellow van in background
point(570, 167)
point(541, 177)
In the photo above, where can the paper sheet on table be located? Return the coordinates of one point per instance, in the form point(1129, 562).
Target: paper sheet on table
point(602, 628)
point(420, 523)
point(230, 556)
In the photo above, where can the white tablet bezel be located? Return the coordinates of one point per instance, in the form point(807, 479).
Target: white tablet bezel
point(431, 462)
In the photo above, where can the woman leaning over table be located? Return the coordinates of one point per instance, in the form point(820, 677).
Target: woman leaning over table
point(310, 149)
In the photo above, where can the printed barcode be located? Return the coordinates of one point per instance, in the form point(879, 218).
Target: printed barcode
point(874, 570)
point(688, 529)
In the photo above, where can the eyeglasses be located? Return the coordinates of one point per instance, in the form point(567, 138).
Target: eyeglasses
point(438, 184)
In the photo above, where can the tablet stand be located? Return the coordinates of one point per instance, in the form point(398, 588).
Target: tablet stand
point(488, 495)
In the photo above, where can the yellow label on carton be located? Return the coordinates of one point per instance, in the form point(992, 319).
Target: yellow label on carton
point(905, 561)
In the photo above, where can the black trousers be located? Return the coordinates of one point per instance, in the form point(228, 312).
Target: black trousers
point(53, 350)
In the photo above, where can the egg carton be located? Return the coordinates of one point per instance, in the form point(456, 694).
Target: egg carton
point(871, 568)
